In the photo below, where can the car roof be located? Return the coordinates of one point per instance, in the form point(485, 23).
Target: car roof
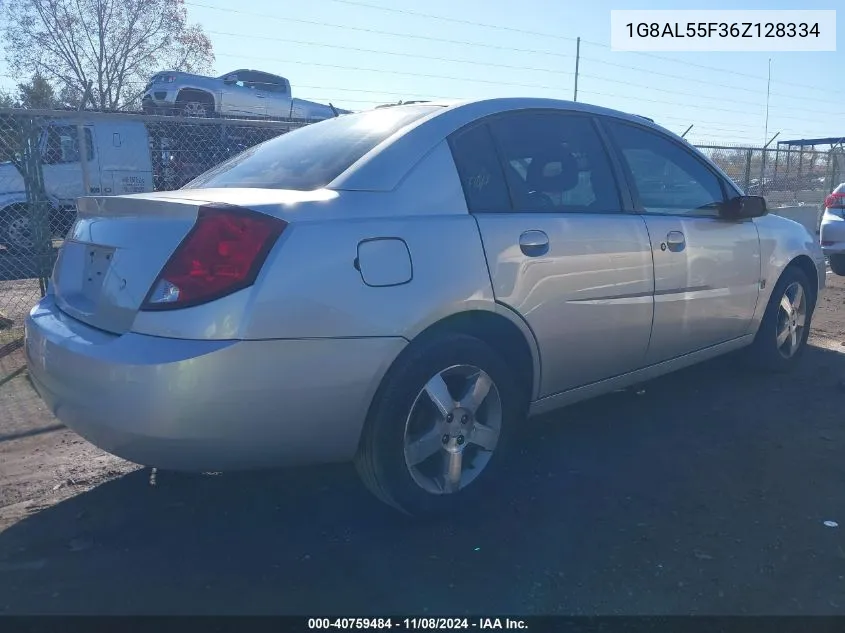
point(252, 70)
point(386, 165)
point(507, 104)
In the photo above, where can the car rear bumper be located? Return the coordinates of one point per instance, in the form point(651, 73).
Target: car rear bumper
point(206, 405)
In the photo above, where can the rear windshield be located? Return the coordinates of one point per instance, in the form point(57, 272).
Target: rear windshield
point(312, 156)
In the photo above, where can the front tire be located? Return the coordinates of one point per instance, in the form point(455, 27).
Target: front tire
point(837, 265)
point(782, 337)
point(439, 423)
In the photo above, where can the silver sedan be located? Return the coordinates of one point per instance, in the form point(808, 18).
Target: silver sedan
point(402, 287)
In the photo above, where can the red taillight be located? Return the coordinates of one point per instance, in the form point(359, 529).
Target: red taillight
point(221, 254)
point(835, 201)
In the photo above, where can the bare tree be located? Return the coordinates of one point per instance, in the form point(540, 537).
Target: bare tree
point(114, 44)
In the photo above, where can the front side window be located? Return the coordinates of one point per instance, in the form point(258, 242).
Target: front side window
point(269, 83)
point(668, 178)
point(555, 162)
point(63, 144)
point(311, 157)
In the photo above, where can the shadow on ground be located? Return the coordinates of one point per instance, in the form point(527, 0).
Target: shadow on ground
point(706, 494)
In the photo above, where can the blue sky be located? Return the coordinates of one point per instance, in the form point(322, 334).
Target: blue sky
point(389, 50)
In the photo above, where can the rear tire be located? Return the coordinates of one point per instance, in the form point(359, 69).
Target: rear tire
point(425, 458)
point(782, 338)
point(837, 265)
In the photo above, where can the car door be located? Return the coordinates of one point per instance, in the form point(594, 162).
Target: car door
point(560, 250)
point(238, 96)
point(706, 268)
point(276, 98)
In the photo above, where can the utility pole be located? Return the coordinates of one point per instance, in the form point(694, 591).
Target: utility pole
point(768, 91)
point(577, 63)
point(766, 134)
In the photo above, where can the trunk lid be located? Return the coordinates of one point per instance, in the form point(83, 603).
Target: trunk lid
point(114, 253)
point(120, 244)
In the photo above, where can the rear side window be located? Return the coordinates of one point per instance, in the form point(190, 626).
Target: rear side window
point(555, 162)
point(312, 156)
point(479, 170)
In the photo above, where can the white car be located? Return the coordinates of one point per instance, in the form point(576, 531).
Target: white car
point(833, 230)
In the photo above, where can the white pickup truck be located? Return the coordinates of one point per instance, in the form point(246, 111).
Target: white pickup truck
point(118, 161)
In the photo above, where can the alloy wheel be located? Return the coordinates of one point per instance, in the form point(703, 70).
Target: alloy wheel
point(452, 429)
point(791, 320)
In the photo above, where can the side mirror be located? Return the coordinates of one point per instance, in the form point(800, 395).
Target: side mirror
point(744, 207)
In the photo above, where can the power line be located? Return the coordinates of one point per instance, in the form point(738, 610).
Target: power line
point(396, 53)
point(421, 14)
point(686, 105)
point(547, 70)
point(709, 83)
point(714, 68)
point(509, 84)
point(497, 47)
point(510, 67)
point(379, 32)
point(557, 36)
point(411, 74)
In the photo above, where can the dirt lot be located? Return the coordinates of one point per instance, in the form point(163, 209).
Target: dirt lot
point(708, 493)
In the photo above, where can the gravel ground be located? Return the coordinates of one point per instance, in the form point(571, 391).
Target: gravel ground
point(706, 494)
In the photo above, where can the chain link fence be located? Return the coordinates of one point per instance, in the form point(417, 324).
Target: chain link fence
point(785, 176)
point(51, 158)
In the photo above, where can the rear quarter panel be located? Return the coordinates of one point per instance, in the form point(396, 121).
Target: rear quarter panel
point(311, 287)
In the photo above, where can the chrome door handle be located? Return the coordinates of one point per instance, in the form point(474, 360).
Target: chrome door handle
point(534, 243)
point(675, 241)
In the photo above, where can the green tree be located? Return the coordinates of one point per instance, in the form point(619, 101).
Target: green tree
point(37, 94)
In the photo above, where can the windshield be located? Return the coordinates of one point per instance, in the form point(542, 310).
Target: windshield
point(312, 156)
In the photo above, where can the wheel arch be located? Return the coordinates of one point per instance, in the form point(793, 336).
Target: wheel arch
point(505, 332)
point(187, 94)
point(801, 262)
point(808, 267)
